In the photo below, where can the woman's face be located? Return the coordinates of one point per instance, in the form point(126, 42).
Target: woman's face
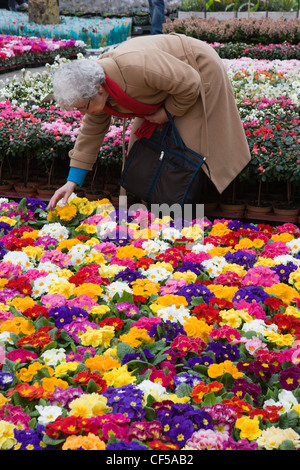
point(94, 106)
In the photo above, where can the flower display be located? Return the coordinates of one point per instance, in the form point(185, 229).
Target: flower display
point(161, 351)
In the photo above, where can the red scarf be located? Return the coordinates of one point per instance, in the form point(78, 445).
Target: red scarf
point(138, 109)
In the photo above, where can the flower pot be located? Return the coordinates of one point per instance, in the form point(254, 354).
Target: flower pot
point(21, 189)
point(264, 208)
point(5, 186)
point(234, 207)
point(95, 195)
point(285, 210)
point(46, 191)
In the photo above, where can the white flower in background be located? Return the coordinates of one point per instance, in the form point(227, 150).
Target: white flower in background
point(174, 314)
point(60, 202)
point(214, 266)
point(52, 357)
point(156, 390)
point(294, 246)
point(286, 400)
point(48, 267)
point(285, 259)
point(259, 327)
point(199, 247)
point(156, 274)
point(154, 247)
point(42, 284)
point(171, 234)
point(48, 414)
point(78, 253)
point(106, 229)
point(5, 338)
point(55, 230)
point(18, 258)
point(114, 288)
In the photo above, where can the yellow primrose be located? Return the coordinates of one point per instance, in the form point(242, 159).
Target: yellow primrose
point(89, 405)
point(188, 276)
point(217, 370)
point(119, 377)
point(235, 268)
point(284, 292)
point(110, 270)
point(102, 337)
point(65, 368)
point(291, 310)
point(280, 340)
point(88, 288)
point(34, 252)
point(102, 363)
point(136, 337)
point(90, 229)
point(50, 383)
point(68, 244)
point(7, 436)
point(261, 261)
point(220, 229)
point(249, 427)
point(247, 243)
point(3, 282)
point(34, 234)
point(26, 374)
point(219, 251)
point(97, 258)
point(99, 310)
point(64, 273)
point(129, 251)
point(195, 328)
point(4, 307)
point(283, 237)
point(223, 292)
point(3, 400)
point(66, 213)
point(62, 288)
point(86, 209)
point(92, 242)
point(234, 318)
point(22, 303)
point(8, 220)
point(194, 232)
point(145, 234)
point(164, 265)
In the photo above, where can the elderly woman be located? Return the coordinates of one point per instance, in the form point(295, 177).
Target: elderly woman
point(141, 78)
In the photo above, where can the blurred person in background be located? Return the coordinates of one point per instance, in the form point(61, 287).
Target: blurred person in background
point(157, 13)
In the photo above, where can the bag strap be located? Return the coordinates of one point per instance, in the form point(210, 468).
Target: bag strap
point(177, 137)
point(171, 125)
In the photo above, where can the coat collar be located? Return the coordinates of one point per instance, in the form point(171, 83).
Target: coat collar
point(112, 70)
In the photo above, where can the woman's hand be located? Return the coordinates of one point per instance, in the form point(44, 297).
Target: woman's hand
point(159, 117)
point(61, 193)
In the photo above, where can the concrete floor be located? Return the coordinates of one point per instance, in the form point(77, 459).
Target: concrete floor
point(17, 73)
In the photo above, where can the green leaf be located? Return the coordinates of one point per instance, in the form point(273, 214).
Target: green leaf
point(123, 349)
point(91, 386)
point(52, 442)
point(183, 390)
point(287, 445)
point(150, 413)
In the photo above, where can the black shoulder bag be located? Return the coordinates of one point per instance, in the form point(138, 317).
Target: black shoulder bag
point(162, 170)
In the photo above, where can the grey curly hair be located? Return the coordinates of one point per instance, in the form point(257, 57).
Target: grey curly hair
point(77, 80)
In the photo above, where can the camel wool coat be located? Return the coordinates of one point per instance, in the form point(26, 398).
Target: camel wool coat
point(190, 78)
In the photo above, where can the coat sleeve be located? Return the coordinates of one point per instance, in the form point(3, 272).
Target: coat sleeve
point(89, 140)
point(163, 72)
